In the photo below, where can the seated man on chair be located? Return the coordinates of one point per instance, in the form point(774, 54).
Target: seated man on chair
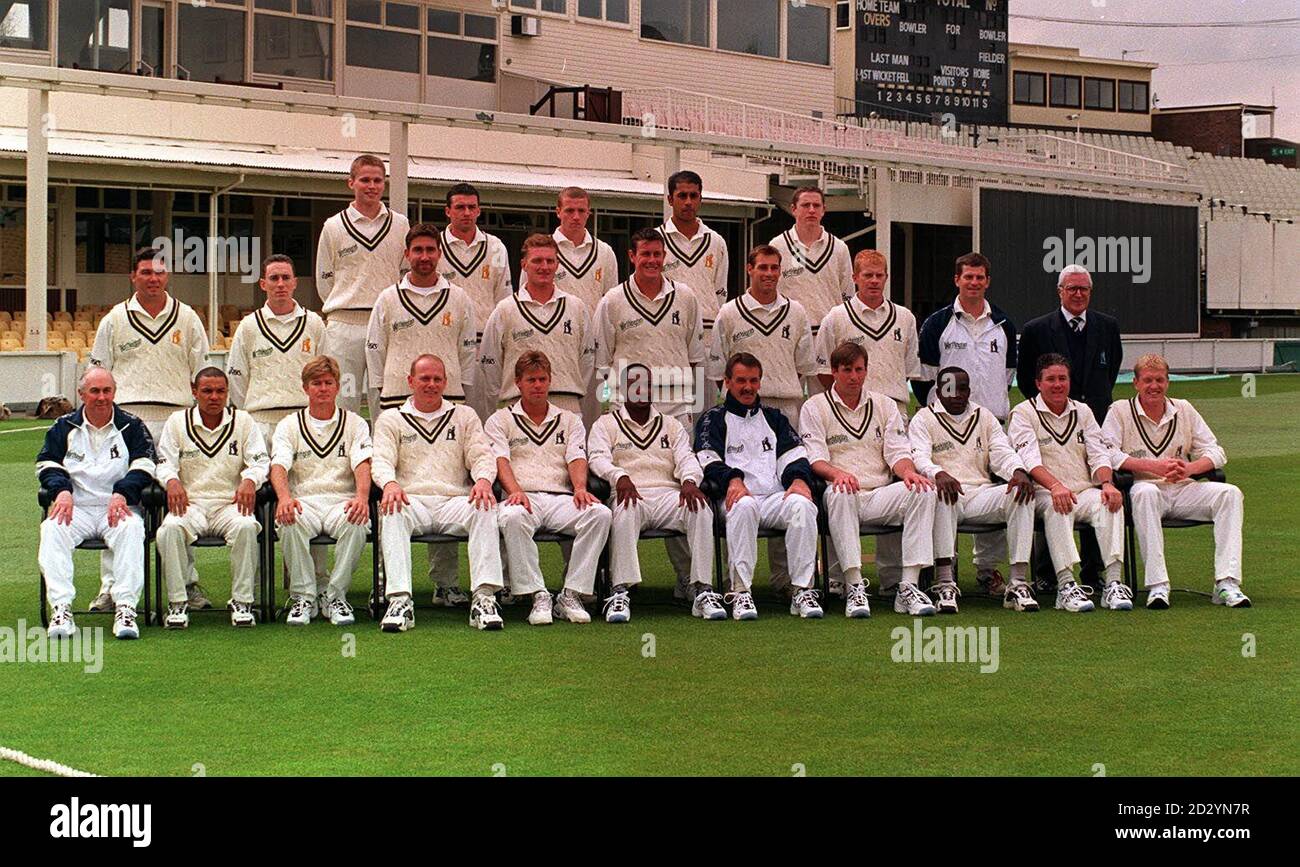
point(751, 453)
point(647, 459)
point(1061, 444)
point(960, 445)
point(1164, 442)
point(211, 459)
point(96, 462)
point(857, 442)
point(541, 453)
point(436, 471)
point(320, 469)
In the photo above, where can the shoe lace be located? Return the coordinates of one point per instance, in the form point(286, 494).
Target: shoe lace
point(806, 597)
point(62, 614)
point(543, 600)
point(340, 606)
point(706, 598)
point(618, 602)
point(1076, 591)
point(1120, 590)
point(300, 606)
point(177, 608)
point(485, 605)
point(857, 594)
point(910, 592)
point(1020, 591)
point(946, 591)
point(126, 615)
point(740, 599)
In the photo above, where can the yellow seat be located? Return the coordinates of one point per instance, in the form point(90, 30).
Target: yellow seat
point(5, 317)
point(63, 316)
point(9, 334)
point(10, 345)
point(62, 326)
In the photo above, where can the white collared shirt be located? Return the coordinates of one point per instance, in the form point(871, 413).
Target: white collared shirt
point(1068, 316)
point(423, 290)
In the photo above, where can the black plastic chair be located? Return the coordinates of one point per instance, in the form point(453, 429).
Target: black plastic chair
point(717, 499)
point(1125, 480)
point(268, 540)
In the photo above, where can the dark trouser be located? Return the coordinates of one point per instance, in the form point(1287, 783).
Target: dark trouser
point(1090, 566)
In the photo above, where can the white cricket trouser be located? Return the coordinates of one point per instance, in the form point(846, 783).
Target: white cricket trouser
point(346, 343)
point(1192, 501)
point(777, 559)
point(452, 516)
point(557, 513)
point(659, 509)
point(987, 504)
point(892, 504)
point(126, 541)
point(210, 518)
point(321, 515)
point(794, 514)
point(267, 420)
point(1059, 529)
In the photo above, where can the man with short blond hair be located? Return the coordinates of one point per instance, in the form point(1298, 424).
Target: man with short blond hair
point(816, 268)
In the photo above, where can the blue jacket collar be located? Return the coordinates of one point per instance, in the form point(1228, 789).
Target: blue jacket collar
point(737, 408)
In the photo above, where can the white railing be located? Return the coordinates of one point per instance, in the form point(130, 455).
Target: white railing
point(1068, 152)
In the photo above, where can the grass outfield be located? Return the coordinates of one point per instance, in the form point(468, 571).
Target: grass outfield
point(1142, 692)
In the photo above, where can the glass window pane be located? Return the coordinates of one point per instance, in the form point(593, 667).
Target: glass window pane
point(616, 10)
point(444, 21)
point(293, 239)
point(403, 15)
point(116, 199)
point(383, 49)
point(808, 34)
point(25, 24)
point(589, 8)
point(274, 5)
point(368, 11)
point(95, 34)
point(211, 43)
point(553, 6)
point(843, 19)
point(749, 26)
point(183, 202)
point(480, 26)
point(526, 4)
point(684, 21)
point(455, 58)
point(144, 200)
point(319, 8)
point(294, 48)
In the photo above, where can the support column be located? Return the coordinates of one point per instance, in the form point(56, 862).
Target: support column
point(399, 142)
point(883, 212)
point(38, 208)
point(214, 200)
point(672, 164)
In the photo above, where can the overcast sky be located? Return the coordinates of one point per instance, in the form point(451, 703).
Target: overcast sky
point(1262, 82)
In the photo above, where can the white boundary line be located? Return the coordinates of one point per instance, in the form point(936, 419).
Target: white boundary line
point(46, 765)
point(24, 429)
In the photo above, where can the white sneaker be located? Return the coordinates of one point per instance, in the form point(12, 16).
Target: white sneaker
point(450, 596)
point(178, 616)
point(742, 605)
point(541, 613)
point(197, 597)
point(400, 615)
point(945, 595)
point(124, 625)
point(618, 608)
point(1158, 596)
point(339, 612)
point(805, 604)
point(483, 612)
point(1019, 597)
point(836, 588)
point(855, 601)
point(300, 611)
point(1229, 593)
point(1070, 596)
point(61, 624)
point(241, 614)
point(569, 607)
point(708, 605)
point(102, 603)
point(1117, 597)
point(910, 600)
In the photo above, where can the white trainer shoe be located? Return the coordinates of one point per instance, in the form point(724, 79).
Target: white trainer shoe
point(300, 611)
point(241, 614)
point(742, 605)
point(1071, 596)
point(1229, 593)
point(1117, 597)
point(103, 603)
point(197, 597)
point(618, 608)
point(855, 601)
point(450, 596)
point(541, 613)
point(945, 595)
point(1019, 597)
point(708, 605)
point(483, 613)
point(178, 616)
point(1158, 596)
point(400, 615)
point(124, 625)
point(910, 600)
point(804, 603)
point(339, 612)
point(569, 607)
point(61, 623)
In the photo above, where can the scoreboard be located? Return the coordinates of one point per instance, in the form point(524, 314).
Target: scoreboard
point(932, 57)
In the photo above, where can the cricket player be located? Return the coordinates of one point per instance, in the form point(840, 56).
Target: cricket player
point(359, 254)
point(320, 469)
point(211, 459)
point(694, 254)
point(436, 470)
point(958, 444)
point(1062, 446)
point(541, 454)
point(96, 462)
point(647, 459)
point(477, 262)
point(857, 441)
point(1164, 441)
point(154, 344)
point(752, 453)
point(816, 268)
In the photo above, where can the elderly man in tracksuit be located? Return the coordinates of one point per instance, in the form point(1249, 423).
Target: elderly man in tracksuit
point(752, 454)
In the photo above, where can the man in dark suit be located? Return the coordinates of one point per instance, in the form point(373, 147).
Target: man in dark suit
point(1090, 339)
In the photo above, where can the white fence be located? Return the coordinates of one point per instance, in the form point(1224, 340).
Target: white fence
point(1200, 355)
point(26, 377)
point(1250, 264)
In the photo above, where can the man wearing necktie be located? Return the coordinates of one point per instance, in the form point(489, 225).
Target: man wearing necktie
point(1091, 340)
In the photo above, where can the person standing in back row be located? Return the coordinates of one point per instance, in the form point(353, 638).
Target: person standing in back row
point(694, 254)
